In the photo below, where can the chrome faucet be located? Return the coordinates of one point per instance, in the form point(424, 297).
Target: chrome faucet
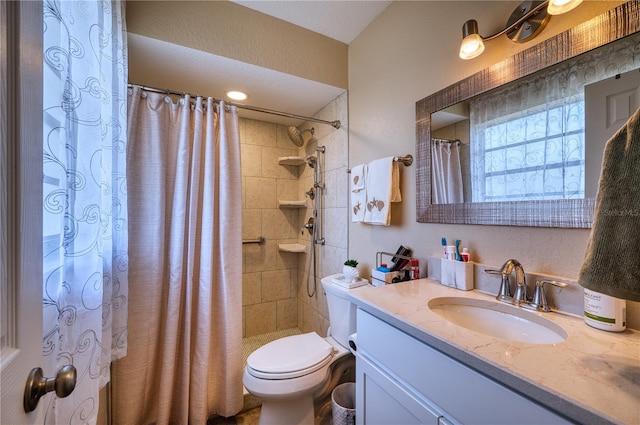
point(520, 296)
point(504, 293)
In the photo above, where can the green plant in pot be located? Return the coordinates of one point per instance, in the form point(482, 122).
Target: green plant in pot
point(350, 271)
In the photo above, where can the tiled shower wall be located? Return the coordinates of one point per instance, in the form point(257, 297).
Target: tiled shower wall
point(313, 314)
point(274, 282)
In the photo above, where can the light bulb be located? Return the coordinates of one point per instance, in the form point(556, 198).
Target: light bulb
point(557, 7)
point(472, 46)
point(237, 95)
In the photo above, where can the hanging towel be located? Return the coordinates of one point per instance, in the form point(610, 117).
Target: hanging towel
point(612, 262)
point(383, 187)
point(358, 192)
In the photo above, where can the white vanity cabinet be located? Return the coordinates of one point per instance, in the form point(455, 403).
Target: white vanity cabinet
point(401, 380)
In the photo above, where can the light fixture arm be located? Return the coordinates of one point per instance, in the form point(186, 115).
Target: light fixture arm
point(517, 23)
point(524, 24)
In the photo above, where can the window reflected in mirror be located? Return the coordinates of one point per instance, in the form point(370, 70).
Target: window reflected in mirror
point(527, 140)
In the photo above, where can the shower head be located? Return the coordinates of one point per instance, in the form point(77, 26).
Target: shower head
point(296, 135)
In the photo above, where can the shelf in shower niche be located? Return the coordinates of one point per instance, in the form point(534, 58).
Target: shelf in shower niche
point(292, 204)
point(292, 247)
point(292, 160)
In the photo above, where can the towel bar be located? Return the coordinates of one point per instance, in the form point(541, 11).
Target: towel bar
point(406, 160)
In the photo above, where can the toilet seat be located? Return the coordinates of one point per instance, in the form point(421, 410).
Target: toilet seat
point(290, 357)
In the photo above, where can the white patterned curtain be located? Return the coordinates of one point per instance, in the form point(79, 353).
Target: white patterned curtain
point(85, 198)
point(527, 140)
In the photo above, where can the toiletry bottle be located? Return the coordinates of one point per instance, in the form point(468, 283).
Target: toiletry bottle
point(451, 252)
point(415, 269)
point(465, 255)
point(604, 312)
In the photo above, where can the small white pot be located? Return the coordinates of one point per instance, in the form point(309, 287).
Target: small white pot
point(350, 273)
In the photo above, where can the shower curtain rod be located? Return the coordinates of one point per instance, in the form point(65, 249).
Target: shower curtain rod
point(436, 139)
point(335, 124)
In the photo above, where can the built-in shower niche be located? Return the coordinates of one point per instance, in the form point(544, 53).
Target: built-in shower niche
point(292, 247)
point(292, 204)
point(292, 160)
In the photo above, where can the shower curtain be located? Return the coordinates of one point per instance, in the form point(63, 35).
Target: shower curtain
point(185, 263)
point(446, 173)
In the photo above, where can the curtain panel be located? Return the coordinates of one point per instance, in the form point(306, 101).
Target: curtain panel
point(446, 173)
point(85, 199)
point(185, 247)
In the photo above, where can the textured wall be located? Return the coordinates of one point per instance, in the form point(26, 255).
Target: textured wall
point(236, 32)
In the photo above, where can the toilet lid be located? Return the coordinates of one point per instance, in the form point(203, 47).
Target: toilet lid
point(290, 354)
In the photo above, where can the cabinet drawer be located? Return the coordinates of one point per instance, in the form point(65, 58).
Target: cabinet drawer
point(460, 393)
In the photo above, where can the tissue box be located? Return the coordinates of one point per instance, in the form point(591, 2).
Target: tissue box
point(457, 274)
point(379, 278)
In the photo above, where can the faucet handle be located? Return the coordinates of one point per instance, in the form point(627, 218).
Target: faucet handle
point(504, 293)
point(539, 301)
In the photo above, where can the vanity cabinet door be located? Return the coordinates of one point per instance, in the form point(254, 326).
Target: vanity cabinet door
point(460, 393)
point(383, 401)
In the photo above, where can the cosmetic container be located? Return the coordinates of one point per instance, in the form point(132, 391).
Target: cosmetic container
point(415, 269)
point(465, 255)
point(451, 252)
point(604, 312)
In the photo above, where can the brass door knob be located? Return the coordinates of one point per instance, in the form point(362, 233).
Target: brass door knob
point(37, 385)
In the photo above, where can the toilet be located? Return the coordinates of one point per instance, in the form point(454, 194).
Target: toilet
point(286, 373)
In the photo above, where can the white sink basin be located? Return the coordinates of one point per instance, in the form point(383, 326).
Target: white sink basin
point(498, 320)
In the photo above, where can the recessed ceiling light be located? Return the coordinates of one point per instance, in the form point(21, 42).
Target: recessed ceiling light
point(237, 95)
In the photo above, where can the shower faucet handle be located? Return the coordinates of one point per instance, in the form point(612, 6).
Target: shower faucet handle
point(309, 226)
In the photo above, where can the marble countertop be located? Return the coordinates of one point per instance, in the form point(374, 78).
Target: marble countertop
point(591, 377)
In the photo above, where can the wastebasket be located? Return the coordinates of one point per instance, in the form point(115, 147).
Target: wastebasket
point(343, 404)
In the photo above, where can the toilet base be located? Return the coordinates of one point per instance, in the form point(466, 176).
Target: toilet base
point(298, 411)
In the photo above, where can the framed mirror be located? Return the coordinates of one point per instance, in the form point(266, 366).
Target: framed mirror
point(575, 211)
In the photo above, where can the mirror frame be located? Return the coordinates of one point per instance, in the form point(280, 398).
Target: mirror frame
point(565, 213)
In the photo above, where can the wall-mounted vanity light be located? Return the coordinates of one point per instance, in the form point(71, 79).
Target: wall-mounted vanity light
point(524, 24)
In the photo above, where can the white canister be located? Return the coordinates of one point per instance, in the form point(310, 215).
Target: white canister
point(604, 312)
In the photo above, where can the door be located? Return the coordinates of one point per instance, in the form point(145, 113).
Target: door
point(609, 104)
point(384, 401)
point(20, 205)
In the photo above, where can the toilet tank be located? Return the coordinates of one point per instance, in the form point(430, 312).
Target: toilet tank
point(342, 312)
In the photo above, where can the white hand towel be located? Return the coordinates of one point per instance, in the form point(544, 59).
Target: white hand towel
point(383, 187)
point(358, 192)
